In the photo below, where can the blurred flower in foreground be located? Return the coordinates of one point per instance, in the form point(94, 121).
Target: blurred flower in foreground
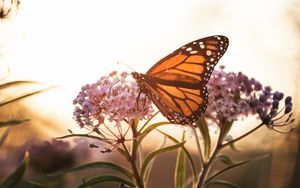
point(233, 95)
point(51, 156)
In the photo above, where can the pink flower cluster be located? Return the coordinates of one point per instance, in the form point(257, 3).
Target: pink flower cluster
point(112, 98)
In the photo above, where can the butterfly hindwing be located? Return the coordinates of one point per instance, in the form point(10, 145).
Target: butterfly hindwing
point(181, 105)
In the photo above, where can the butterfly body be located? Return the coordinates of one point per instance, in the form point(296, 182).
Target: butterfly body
point(177, 83)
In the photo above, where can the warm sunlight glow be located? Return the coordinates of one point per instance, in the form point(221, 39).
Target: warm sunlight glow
point(94, 112)
point(70, 43)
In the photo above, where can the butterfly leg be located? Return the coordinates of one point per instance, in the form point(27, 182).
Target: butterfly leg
point(137, 101)
point(145, 99)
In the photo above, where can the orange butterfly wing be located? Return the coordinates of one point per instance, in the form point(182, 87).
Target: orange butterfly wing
point(176, 84)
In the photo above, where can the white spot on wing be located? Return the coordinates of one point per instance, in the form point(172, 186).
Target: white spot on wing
point(208, 53)
point(189, 49)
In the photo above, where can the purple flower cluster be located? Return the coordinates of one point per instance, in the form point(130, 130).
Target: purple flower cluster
point(272, 116)
point(229, 94)
point(112, 99)
point(234, 95)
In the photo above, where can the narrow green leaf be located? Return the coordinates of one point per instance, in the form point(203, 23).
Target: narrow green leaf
point(17, 83)
point(106, 178)
point(236, 165)
point(153, 154)
point(225, 159)
point(147, 121)
point(229, 139)
point(222, 182)
point(25, 95)
point(34, 184)
point(12, 180)
point(189, 156)
point(12, 123)
point(203, 127)
point(232, 146)
point(149, 129)
point(4, 136)
point(100, 164)
point(225, 128)
point(148, 170)
point(153, 127)
point(180, 166)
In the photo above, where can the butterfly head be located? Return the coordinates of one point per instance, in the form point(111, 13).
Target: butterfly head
point(135, 75)
point(139, 79)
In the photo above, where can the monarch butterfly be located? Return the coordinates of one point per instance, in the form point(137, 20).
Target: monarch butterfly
point(177, 83)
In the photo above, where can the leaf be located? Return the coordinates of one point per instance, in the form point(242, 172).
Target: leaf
point(25, 95)
point(225, 159)
point(12, 180)
point(229, 139)
point(203, 127)
point(105, 178)
point(100, 164)
point(148, 170)
point(153, 154)
point(34, 184)
point(236, 165)
point(4, 136)
point(222, 182)
point(12, 123)
point(153, 127)
point(17, 83)
point(189, 156)
point(232, 146)
point(180, 167)
point(148, 120)
point(149, 129)
point(139, 140)
point(225, 128)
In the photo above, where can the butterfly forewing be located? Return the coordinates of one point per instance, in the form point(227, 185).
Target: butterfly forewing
point(195, 60)
point(176, 84)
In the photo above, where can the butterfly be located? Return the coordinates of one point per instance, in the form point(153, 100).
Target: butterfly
point(177, 83)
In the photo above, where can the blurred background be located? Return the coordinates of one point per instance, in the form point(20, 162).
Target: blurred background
point(70, 43)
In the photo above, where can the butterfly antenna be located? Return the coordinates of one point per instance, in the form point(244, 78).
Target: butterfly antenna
point(118, 62)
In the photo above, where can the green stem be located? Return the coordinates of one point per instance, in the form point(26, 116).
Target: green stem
point(243, 136)
point(132, 156)
point(146, 123)
point(206, 166)
point(199, 147)
point(132, 162)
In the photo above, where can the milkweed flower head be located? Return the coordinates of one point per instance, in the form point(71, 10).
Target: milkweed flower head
point(112, 99)
point(234, 95)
